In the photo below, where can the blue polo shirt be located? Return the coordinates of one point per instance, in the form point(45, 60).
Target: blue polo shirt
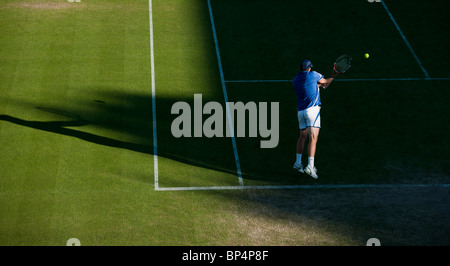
point(307, 90)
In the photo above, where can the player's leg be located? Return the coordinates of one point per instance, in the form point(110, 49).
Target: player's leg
point(313, 118)
point(301, 140)
point(313, 138)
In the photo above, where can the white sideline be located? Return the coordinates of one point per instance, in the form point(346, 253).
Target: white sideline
point(152, 62)
point(404, 39)
point(225, 95)
point(331, 186)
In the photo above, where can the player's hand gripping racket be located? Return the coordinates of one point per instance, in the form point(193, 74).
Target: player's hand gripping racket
point(341, 65)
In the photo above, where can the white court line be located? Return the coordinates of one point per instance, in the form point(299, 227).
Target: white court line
point(225, 95)
point(152, 62)
point(331, 186)
point(362, 79)
point(404, 39)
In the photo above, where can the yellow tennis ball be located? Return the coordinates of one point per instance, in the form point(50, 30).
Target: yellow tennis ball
point(366, 55)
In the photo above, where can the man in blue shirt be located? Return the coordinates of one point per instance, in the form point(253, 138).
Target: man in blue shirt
point(306, 86)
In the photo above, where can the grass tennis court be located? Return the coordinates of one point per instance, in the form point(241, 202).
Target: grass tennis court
point(87, 151)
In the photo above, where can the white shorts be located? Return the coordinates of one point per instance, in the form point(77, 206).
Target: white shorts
point(309, 117)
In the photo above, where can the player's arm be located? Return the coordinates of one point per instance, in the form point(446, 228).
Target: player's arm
point(323, 82)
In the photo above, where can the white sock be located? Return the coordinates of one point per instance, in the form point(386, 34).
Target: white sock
point(311, 161)
point(299, 158)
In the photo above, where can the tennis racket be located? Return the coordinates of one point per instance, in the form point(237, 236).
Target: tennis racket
point(341, 65)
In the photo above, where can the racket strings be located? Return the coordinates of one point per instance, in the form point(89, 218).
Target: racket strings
point(342, 64)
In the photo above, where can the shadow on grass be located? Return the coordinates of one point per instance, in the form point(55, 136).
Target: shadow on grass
point(59, 127)
point(129, 117)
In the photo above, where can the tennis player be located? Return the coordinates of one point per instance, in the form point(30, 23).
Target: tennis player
point(306, 86)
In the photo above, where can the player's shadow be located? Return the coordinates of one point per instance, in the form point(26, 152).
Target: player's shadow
point(126, 123)
point(60, 127)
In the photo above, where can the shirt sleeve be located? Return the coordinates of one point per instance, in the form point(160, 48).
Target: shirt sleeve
point(317, 76)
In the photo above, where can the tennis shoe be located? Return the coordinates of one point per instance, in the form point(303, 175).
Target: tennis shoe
point(299, 167)
point(312, 171)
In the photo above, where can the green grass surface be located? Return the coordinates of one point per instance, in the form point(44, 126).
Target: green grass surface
point(76, 131)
